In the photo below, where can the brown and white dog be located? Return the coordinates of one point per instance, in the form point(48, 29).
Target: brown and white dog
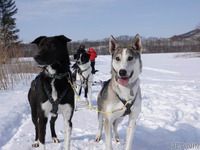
point(122, 90)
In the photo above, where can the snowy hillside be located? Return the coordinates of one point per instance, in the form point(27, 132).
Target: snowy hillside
point(194, 34)
point(170, 110)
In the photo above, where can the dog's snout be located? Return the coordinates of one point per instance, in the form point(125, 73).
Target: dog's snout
point(122, 72)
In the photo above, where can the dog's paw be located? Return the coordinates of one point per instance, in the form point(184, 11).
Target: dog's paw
point(117, 139)
point(55, 140)
point(97, 138)
point(35, 144)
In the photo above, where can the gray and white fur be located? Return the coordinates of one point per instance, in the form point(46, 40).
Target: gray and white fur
point(126, 67)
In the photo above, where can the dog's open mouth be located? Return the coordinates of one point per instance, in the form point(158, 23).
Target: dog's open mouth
point(124, 81)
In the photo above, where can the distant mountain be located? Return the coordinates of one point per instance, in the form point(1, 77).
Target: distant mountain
point(192, 35)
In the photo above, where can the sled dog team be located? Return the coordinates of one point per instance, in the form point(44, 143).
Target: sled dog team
point(51, 92)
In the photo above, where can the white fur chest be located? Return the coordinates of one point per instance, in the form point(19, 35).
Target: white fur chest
point(62, 108)
point(124, 93)
point(86, 76)
point(47, 106)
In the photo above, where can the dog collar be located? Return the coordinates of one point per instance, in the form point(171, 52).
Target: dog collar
point(57, 76)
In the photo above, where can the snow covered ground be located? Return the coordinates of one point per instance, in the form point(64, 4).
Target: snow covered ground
point(170, 117)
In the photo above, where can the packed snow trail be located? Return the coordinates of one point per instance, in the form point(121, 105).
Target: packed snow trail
point(170, 110)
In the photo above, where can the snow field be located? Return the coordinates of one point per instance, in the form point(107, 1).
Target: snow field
point(170, 110)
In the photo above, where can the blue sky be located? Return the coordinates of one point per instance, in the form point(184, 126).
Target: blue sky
point(98, 19)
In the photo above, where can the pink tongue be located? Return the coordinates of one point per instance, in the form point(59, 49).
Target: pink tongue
point(123, 81)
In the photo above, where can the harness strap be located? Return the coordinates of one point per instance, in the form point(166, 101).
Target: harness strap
point(35, 80)
point(56, 102)
point(60, 98)
point(81, 71)
point(85, 80)
point(127, 104)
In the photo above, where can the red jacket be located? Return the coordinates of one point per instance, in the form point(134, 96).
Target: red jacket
point(92, 53)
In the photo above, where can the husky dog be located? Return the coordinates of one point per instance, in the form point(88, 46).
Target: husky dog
point(122, 90)
point(50, 92)
point(84, 78)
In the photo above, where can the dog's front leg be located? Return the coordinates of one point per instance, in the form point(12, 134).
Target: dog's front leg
point(67, 133)
point(67, 129)
point(99, 134)
point(108, 133)
point(131, 127)
point(52, 127)
point(130, 133)
point(90, 93)
point(42, 132)
point(78, 89)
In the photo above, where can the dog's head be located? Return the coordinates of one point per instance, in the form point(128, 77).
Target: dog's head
point(51, 49)
point(83, 58)
point(126, 62)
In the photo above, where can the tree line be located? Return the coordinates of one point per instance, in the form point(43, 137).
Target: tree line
point(150, 45)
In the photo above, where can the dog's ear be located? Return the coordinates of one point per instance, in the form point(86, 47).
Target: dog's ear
point(113, 44)
point(38, 40)
point(63, 39)
point(137, 44)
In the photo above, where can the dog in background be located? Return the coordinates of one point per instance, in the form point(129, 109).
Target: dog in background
point(50, 92)
point(84, 78)
point(122, 90)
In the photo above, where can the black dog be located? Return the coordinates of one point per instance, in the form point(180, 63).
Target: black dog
point(50, 92)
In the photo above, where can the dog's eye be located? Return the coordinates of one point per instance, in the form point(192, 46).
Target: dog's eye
point(117, 59)
point(130, 58)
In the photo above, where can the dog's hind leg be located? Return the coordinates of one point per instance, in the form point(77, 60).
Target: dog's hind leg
point(67, 115)
point(115, 125)
point(99, 134)
point(86, 95)
point(53, 133)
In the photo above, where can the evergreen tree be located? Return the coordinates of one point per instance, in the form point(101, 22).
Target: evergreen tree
point(8, 31)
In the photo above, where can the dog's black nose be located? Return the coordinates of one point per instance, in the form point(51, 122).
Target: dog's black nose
point(122, 72)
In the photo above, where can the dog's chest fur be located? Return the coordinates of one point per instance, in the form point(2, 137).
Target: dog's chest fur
point(47, 106)
point(128, 92)
point(110, 101)
point(86, 74)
